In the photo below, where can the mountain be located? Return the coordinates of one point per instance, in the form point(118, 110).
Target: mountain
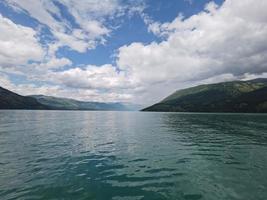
point(237, 96)
point(71, 104)
point(11, 100)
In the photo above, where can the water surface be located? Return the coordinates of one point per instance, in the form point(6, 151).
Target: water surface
point(132, 155)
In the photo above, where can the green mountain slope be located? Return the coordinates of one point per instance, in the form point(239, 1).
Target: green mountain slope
point(236, 96)
point(11, 100)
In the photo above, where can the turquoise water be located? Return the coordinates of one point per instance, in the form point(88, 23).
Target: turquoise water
point(132, 155)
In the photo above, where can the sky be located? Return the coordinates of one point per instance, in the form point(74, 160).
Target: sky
point(136, 51)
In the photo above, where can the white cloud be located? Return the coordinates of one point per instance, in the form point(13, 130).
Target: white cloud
point(54, 63)
point(64, 33)
point(89, 18)
point(218, 44)
point(230, 39)
point(36, 61)
point(78, 93)
point(248, 76)
point(104, 77)
point(4, 81)
point(18, 44)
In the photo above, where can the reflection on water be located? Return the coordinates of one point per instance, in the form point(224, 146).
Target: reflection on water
point(128, 155)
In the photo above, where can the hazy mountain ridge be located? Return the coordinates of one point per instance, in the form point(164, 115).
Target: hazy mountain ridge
point(72, 104)
point(236, 96)
point(11, 100)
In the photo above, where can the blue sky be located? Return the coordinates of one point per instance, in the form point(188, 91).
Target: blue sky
point(130, 28)
point(134, 51)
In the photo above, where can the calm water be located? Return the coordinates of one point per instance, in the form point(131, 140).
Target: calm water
point(131, 155)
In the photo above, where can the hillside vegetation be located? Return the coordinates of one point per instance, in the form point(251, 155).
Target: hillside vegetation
point(236, 96)
point(11, 100)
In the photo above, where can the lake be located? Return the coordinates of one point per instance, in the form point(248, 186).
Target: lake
point(132, 155)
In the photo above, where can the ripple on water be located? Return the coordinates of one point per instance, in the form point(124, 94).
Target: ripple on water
point(146, 156)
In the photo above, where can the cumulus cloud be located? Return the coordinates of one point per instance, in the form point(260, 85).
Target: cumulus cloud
point(78, 93)
point(104, 77)
point(19, 44)
point(37, 61)
point(53, 63)
point(230, 39)
point(89, 16)
point(48, 14)
point(220, 43)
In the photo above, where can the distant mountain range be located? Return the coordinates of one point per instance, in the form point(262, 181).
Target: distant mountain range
point(71, 104)
point(237, 96)
point(11, 100)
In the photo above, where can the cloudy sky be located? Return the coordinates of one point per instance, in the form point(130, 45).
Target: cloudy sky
point(129, 51)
